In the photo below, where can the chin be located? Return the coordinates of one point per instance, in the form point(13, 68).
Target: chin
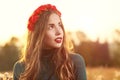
point(57, 46)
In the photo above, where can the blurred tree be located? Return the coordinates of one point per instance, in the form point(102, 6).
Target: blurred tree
point(77, 37)
point(81, 36)
point(116, 51)
point(94, 53)
point(9, 54)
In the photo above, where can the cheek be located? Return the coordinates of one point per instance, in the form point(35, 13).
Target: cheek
point(48, 37)
point(48, 41)
point(61, 31)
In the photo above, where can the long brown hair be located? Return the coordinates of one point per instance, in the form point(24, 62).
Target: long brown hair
point(31, 58)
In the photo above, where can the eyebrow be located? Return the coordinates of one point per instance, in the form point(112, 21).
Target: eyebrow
point(53, 23)
point(50, 24)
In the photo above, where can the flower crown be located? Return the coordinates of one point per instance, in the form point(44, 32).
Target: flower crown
point(34, 17)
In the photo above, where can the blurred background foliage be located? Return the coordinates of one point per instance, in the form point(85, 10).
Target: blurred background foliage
point(9, 54)
point(95, 53)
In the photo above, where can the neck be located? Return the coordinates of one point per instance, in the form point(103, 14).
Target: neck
point(48, 52)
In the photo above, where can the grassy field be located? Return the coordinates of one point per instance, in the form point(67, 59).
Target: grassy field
point(98, 73)
point(103, 73)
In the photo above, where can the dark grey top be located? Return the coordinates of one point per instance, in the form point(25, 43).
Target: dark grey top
point(80, 69)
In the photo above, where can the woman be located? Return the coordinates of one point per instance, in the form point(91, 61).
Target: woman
point(47, 56)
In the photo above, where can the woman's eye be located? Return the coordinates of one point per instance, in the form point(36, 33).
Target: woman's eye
point(60, 24)
point(51, 27)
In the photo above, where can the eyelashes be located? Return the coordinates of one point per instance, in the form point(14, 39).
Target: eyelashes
point(60, 24)
point(52, 26)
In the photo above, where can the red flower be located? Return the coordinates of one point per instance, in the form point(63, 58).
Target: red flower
point(34, 17)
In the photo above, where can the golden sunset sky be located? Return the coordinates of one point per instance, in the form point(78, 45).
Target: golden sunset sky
point(96, 18)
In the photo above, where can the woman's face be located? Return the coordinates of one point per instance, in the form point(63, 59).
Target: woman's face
point(54, 33)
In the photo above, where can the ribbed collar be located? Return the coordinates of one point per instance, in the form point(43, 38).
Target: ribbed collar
point(47, 54)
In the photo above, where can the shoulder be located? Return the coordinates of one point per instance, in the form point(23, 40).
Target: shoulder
point(18, 66)
point(79, 66)
point(77, 58)
point(18, 69)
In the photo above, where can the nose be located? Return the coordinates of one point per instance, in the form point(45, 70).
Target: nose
point(58, 30)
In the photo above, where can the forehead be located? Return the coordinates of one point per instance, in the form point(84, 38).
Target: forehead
point(54, 18)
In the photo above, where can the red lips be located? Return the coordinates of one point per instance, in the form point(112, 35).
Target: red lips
point(58, 39)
